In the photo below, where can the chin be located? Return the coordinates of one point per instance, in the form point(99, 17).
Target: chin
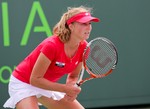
point(86, 37)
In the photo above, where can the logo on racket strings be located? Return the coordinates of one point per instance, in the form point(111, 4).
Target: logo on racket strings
point(100, 57)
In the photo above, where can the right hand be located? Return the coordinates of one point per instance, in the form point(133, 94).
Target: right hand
point(71, 92)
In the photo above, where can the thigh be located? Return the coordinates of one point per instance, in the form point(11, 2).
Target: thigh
point(28, 103)
point(61, 104)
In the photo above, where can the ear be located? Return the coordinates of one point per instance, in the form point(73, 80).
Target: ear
point(71, 27)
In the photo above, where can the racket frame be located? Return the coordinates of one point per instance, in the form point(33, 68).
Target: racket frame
point(92, 75)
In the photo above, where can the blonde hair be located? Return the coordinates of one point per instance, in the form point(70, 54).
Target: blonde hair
point(61, 29)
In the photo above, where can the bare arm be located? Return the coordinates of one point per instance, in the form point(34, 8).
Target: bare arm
point(73, 77)
point(37, 76)
point(71, 81)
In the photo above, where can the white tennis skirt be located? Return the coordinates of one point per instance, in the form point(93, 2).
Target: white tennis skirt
point(19, 90)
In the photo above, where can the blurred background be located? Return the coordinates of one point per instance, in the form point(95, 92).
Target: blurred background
point(25, 23)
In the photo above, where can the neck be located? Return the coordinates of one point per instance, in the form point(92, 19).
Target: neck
point(72, 43)
point(70, 48)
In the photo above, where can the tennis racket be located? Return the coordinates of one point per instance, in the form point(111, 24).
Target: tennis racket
point(100, 58)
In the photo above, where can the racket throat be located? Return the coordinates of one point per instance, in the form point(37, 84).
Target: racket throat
point(86, 79)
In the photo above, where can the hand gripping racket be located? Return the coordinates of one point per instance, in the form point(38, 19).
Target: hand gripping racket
point(99, 59)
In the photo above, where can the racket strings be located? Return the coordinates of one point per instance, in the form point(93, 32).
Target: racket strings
point(103, 55)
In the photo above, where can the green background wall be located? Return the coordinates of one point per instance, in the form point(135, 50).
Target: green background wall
point(125, 22)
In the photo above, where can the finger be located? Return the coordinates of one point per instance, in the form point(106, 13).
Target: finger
point(70, 98)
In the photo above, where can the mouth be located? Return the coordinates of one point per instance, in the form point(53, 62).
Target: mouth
point(86, 34)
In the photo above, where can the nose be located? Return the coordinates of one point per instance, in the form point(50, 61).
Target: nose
point(89, 26)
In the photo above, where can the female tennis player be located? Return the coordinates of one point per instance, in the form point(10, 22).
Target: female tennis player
point(35, 79)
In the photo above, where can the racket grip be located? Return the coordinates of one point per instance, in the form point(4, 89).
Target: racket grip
point(77, 85)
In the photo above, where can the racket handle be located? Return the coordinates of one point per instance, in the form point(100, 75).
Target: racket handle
point(77, 85)
point(80, 77)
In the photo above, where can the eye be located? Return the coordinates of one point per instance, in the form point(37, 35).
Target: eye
point(86, 24)
point(90, 23)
